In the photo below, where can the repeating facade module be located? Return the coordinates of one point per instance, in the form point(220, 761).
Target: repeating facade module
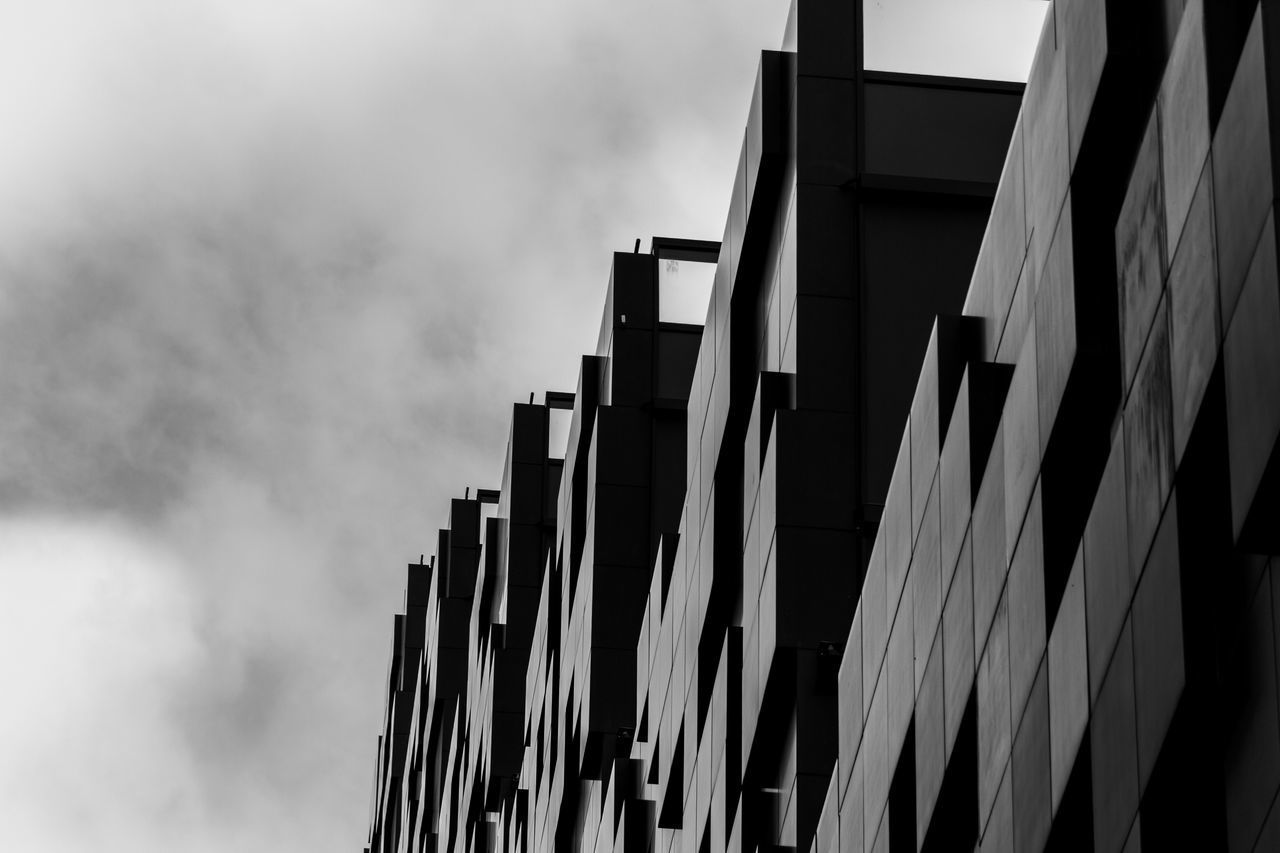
point(947, 530)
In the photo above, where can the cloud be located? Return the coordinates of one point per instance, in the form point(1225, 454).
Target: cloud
point(986, 39)
point(91, 726)
point(271, 275)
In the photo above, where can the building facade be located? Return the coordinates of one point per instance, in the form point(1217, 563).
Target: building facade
point(949, 529)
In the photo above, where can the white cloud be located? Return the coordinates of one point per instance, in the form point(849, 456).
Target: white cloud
point(97, 635)
point(986, 39)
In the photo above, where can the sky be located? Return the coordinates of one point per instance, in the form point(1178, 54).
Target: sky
point(271, 276)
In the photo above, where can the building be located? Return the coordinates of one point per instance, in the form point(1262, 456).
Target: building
point(947, 529)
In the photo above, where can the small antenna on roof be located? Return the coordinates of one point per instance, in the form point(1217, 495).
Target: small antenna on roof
point(421, 557)
point(637, 249)
point(467, 495)
point(530, 398)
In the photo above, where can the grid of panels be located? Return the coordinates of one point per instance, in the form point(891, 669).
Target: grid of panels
point(765, 615)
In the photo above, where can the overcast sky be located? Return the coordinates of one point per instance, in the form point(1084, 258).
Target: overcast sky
point(271, 274)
